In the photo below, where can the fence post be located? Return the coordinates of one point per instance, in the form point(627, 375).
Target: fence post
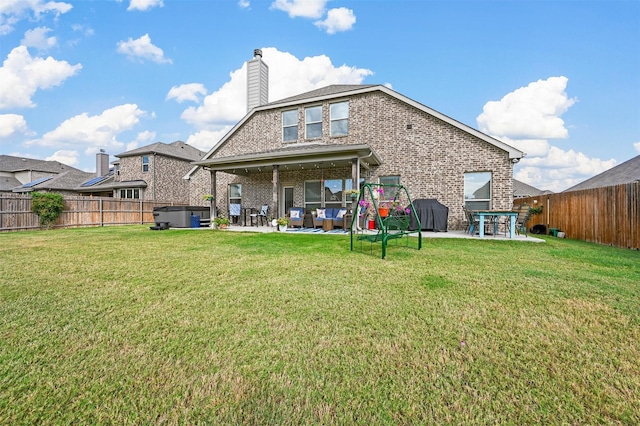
point(101, 212)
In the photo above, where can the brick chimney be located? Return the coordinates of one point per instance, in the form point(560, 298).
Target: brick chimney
point(102, 163)
point(257, 81)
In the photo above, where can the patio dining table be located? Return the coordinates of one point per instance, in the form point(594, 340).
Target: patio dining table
point(496, 213)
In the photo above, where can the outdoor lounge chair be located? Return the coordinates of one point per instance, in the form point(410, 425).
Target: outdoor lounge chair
point(260, 216)
point(296, 217)
point(336, 215)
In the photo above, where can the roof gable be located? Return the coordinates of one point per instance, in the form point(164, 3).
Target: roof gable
point(345, 90)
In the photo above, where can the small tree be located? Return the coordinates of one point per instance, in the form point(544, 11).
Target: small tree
point(48, 206)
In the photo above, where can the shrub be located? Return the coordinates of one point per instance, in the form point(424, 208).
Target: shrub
point(48, 206)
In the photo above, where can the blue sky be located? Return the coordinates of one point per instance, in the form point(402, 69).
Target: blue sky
point(559, 80)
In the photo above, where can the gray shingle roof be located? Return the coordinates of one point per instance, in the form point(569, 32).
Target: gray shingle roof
point(521, 189)
point(67, 181)
point(13, 164)
point(176, 149)
point(323, 91)
point(626, 172)
point(7, 183)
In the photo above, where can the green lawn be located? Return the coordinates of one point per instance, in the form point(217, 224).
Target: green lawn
point(122, 325)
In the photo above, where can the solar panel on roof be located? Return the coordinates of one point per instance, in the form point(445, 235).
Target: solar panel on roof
point(94, 180)
point(37, 181)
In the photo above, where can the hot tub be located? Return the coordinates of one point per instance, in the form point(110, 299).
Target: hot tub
point(179, 216)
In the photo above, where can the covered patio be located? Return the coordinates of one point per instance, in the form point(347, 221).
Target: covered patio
point(279, 168)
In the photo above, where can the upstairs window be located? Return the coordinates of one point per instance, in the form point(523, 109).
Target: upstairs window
point(145, 164)
point(290, 126)
point(477, 190)
point(339, 119)
point(313, 122)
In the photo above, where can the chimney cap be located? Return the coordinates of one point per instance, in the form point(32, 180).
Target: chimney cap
point(257, 53)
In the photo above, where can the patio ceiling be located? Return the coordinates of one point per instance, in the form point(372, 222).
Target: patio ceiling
point(295, 158)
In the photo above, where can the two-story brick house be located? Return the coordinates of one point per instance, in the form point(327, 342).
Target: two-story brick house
point(152, 172)
point(306, 150)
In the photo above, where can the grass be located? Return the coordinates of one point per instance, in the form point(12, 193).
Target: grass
point(121, 325)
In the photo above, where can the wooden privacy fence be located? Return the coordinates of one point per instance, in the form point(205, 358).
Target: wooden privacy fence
point(16, 215)
point(609, 215)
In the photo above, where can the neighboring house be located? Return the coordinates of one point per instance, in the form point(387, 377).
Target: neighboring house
point(522, 190)
point(626, 172)
point(24, 175)
point(308, 149)
point(152, 172)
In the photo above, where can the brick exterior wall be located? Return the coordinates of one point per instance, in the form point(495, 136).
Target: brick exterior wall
point(164, 178)
point(431, 157)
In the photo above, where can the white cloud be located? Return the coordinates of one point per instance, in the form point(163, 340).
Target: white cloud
point(529, 112)
point(21, 75)
point(244, 4)
point(340, 19)
point(144, 4)
point(526, 119)
point(313, 9)
point(13, 11)
point(145, 137)
point(12, 125)
point(37, 38)
point(67, 157)
point(83, 29)
point(560, 169)
point(636, 146)
point(187, 92)
point(142, 49)
point(531, 147)
point(288, 76)
point(92, 132)
point(204, 140)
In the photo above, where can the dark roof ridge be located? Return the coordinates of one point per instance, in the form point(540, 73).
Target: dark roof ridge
point(323, 91)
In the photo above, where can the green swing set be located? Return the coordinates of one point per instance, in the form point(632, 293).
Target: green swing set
point(383, 213)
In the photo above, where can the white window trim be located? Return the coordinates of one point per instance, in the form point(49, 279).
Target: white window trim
point(332, 120)
point(307, 123)
point(293, 125)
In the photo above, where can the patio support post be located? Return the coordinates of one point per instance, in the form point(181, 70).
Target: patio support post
point(276, 184)
point(355, 168)
point(355, 184)
point(212, 207)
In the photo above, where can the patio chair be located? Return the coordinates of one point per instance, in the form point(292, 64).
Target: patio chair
point(296, 217)
point(473, 222)
point(234, 212)
point(260, 216)
point(522, 219)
